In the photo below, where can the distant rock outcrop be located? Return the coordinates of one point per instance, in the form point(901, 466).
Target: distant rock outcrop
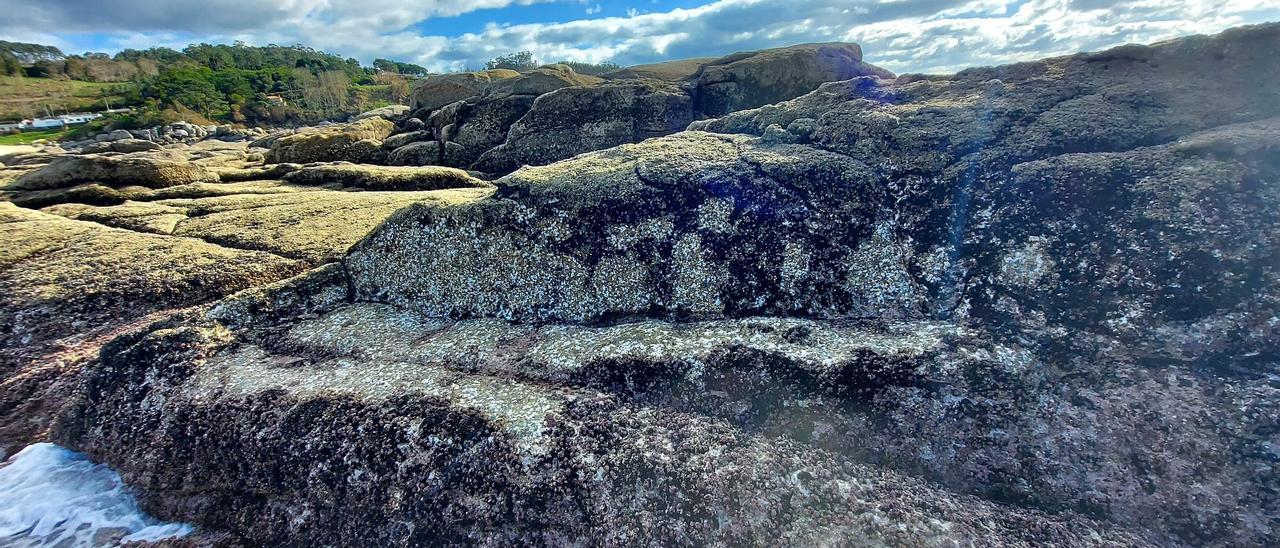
point(751, 79)
point(497, 121)
point(442, 89)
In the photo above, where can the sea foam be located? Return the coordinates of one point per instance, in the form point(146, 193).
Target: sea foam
point(52, 496)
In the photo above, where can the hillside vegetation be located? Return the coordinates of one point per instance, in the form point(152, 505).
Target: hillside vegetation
point(23, 97)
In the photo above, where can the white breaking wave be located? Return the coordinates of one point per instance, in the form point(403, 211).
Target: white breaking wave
point(52, 496)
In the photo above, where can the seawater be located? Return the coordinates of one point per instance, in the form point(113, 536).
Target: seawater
point(52, 496)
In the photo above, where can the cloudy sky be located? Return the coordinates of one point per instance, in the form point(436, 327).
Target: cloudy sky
point(902, 35)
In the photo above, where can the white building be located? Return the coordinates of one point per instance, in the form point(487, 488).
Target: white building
point(60, 121)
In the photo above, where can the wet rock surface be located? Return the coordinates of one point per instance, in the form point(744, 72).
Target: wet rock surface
point(1024, 305)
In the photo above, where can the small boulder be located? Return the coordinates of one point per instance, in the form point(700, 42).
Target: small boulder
point(413, 124)
point(133, 145)
point(401, 139)
point(423, 153)
point(119, 134)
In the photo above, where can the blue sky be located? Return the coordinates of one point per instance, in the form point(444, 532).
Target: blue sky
point(902, 35)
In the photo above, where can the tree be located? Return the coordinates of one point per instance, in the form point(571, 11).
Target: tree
point(327, 92)
point(31, 53)
point(408, 69)
point(9, 64)
point(397, 86)
point(591, 68)
point(520, 60)
point(193, 88)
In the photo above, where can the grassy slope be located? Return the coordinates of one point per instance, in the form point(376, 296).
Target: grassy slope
point(28, 137)
point(19, 95)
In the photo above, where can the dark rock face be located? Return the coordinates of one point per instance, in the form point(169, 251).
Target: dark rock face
point(1024, 305)
point(575, 120)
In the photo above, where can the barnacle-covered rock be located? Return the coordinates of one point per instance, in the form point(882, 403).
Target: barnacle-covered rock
point(1024, 305)
point(359, 418)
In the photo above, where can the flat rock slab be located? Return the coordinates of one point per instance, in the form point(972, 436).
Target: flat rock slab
point(372, 177)
point(68, 286)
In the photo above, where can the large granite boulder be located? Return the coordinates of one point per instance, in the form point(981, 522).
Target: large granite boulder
point(575, 120)
point(751, 79)
point(475, 127)
point(441, 89)
point(359, 142)
point(361, 423)
point(544, 79)
point(151, 172)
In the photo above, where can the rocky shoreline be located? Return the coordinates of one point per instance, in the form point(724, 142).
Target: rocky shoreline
point(1025, 305)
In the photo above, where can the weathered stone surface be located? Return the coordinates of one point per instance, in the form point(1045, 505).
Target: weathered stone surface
point(385, 177)
point(436, 418)
point(389, 112)
point(477, 127)
point(136, 216)
point(1042, 201)
point(751, 79)
point(67, 287)
point(545, 79)
point(59, 273)
point(122, 145)
point(422, 153)
point(401, 139)
point(441, 89)
point(571, 121)
point(151, 172)
point(359, 142)
point(133, 145)
point(313, 226)
point(428, 153)
point(669, 71)
point(499, 126)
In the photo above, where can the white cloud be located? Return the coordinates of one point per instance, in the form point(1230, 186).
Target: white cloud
point(904, 35)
